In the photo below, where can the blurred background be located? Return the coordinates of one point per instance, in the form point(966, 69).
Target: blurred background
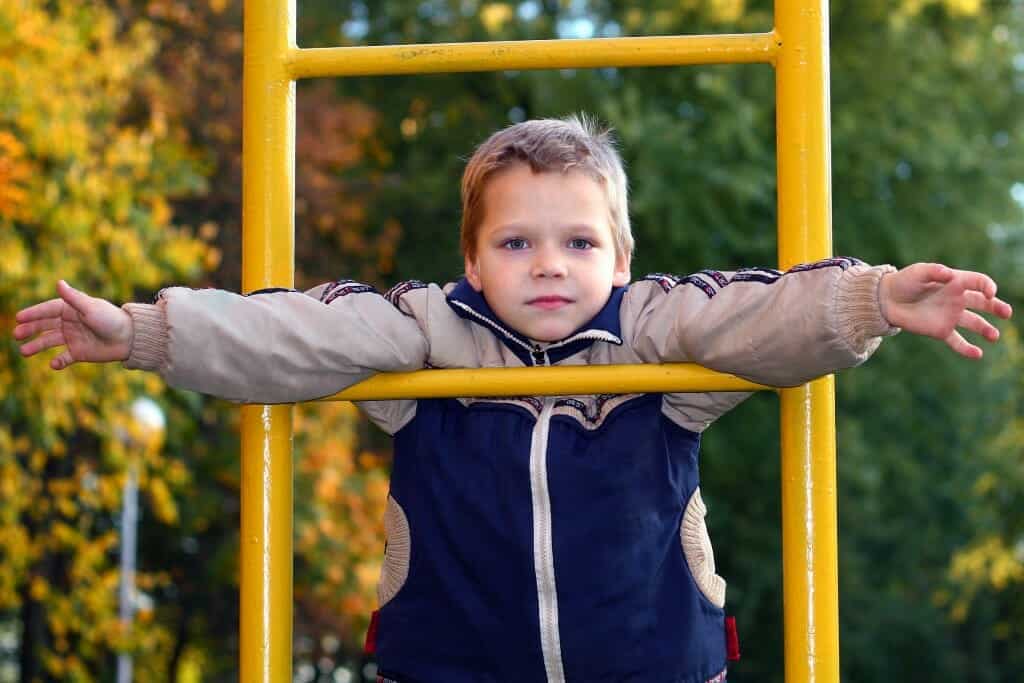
point(120, 171)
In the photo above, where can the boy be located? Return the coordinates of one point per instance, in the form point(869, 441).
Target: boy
point(533, 539)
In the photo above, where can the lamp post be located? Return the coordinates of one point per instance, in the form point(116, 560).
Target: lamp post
point(146, 429)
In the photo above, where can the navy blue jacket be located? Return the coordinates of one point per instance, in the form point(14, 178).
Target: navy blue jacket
point(545, 536)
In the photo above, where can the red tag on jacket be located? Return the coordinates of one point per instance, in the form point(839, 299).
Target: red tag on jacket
point(732, 640)
point(370, 646)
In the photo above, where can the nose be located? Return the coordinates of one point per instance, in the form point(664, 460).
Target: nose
point(548, 262)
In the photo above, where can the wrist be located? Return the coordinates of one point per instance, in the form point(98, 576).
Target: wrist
point(127, 336)
point(885, 297)
point(858, 304)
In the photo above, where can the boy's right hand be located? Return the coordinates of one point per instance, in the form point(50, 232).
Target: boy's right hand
point(92, 329)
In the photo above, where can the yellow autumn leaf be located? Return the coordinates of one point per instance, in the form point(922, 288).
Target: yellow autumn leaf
point(963, 7)
point(38, 588)
point(494, 15)
point(727, 11)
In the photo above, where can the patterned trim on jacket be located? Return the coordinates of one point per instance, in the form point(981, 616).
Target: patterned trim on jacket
point(712, 281)
point(395, 294)
point(341, 288)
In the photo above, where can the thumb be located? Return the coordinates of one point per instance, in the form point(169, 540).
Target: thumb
point(74, 298)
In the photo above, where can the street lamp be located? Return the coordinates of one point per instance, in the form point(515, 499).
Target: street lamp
point(147, 429)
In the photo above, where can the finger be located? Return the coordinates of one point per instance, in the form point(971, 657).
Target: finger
point(47, 309)
point(975, 323)
point(995, 305)
point(26, 330)
point(47, 340)
point(937, 272)
point(976, 300)
point(962, 346)
point(1001, 308)
point(978, 282)
point(61, 360)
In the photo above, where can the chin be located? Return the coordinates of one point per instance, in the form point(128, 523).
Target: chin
point(547, 336)
point(546, 331)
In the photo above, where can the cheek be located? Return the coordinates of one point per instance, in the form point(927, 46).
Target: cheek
point(498, 267)
point(503, 260)
point(603, 268)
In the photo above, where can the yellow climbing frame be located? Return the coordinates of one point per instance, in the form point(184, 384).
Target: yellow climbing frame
point(797, 48)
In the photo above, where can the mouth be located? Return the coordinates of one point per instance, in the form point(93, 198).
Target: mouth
point(549, 302)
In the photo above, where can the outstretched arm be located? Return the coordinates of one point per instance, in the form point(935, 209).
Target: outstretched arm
point(783, 329)
point(90, 328)
point(271, 346)
point(934, 300)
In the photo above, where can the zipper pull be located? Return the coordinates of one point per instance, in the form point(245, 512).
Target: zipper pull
point(538, 355)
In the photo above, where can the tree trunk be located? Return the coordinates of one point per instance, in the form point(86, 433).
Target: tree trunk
point(33, 635)
point(180, 640)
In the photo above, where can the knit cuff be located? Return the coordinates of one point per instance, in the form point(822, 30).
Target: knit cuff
point(149, 342)
point(858, 306)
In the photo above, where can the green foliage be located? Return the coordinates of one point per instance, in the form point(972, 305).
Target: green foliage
point(927, 144)
point(135, 140)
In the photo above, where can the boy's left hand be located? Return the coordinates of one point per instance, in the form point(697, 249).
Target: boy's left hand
point(933, 300)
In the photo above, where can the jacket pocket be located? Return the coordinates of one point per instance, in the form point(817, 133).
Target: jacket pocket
point(700, 557)
point(395, 569)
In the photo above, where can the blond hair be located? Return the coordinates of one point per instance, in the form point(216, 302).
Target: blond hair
point(549, 145)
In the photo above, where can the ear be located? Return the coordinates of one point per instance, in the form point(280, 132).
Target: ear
point(473, 274)
point(621, 276)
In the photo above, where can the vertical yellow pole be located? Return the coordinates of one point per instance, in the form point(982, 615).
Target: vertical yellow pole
point(809, 526)
point(268, 255)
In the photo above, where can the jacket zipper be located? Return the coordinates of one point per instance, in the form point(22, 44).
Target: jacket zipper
point(543, 553)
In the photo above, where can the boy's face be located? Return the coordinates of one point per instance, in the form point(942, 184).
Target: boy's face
point(545, 256)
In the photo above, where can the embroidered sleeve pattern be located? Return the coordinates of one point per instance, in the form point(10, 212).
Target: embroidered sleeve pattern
point(395, 294)
point(765, 276)
point(341, 288)
point(669, 282)
point(712, 281)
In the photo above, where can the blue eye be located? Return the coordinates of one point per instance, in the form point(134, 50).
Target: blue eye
point(579, 243)
point(515, 243)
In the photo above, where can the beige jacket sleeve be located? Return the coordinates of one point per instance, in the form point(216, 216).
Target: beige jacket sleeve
point(278, 346)
point(780, 329)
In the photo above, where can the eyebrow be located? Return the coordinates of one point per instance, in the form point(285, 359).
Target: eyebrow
point(524, 227)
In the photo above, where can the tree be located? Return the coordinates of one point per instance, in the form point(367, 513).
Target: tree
point(199, 57)
point(86, 166)
point(143, 104)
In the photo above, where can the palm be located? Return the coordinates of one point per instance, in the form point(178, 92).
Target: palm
point(92, 334)
point(936, 307)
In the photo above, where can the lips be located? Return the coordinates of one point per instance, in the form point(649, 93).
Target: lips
point(549, 302)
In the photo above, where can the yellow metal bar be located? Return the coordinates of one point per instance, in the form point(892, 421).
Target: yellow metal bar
point(266, 544)
point(556, 381)
point(799, 48)
point(379, 60)
point(809, 527)
point(268, 255)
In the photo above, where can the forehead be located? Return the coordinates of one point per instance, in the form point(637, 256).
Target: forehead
point(518, 193)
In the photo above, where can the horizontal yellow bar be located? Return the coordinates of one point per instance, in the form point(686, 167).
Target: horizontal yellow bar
point(380, 60)
point(565, 380)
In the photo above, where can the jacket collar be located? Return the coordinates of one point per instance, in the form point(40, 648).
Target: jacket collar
point(605, 326)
